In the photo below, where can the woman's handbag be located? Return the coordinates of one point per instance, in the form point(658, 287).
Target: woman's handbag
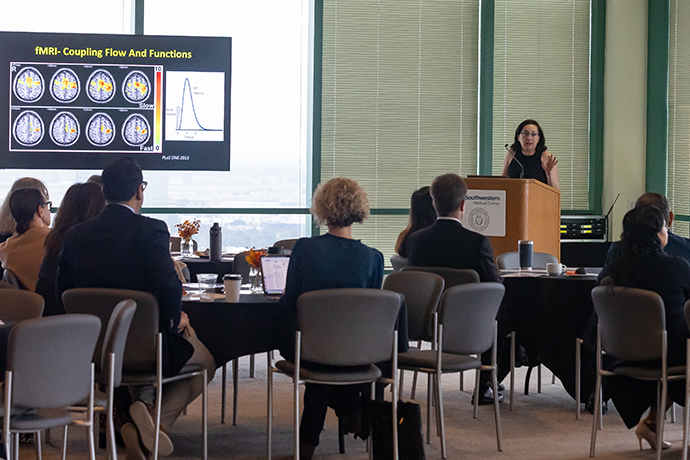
point(410, 439)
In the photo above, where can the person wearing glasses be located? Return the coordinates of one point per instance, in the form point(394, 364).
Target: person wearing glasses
point(23, 252)
point(528, 158)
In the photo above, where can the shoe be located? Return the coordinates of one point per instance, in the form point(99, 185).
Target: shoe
point(142, 416)
point(130, 436)
point(487, 397)
point(501, 387)
point(643, 431)
point(306, 451)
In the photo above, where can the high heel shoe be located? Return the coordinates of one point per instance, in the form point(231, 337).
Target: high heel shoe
point(643, 431)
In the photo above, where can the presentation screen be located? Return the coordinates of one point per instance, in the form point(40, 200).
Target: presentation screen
point(80, 101)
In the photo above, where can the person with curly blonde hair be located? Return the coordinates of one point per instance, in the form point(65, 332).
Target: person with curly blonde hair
point(330, 261)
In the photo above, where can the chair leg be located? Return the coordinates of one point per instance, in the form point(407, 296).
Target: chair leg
point(414, 385)
point(462, 380)
point(251, 366)
point(597, 415)
point(512, 369)
point(269, 405)
point(64, 444)
point(223, 392)
point(341, 436)
point(497, 414)
point(429, 393)
point(539, 378)
point(296, 417)
point(402, 381)
point(527, 379)
point(235, 382)
point(476, 395)
point(660, 421)
point(37, 440)
point(438, 406)
point(578, 377)
point(439, 411)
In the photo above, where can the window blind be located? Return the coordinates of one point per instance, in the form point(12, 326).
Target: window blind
point(541, 71)
point(399, 100)
point(679, 114)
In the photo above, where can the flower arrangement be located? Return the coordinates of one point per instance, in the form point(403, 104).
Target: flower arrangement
point(253, 257)
point(188, 229)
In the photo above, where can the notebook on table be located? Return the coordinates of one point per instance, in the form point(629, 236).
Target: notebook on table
point(274, 269)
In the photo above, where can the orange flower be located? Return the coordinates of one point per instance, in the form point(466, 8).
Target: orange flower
point(188, 229)
point(253, 257)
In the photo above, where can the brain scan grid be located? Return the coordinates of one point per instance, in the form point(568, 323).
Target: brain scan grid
point(82, 107)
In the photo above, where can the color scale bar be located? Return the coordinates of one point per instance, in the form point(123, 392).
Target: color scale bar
point(158, 147)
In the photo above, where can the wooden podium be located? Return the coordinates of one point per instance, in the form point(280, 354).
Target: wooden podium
point(533, 212)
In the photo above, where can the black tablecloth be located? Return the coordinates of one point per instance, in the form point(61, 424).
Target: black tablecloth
point(548, 313)
point(198, 265)
point(254, 325)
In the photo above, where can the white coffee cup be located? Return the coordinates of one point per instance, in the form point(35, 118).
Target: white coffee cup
point(232, 287)
point(555, 269)
point(207, 286)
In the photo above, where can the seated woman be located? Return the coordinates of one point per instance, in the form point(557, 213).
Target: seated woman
point(81, 202)
point(643, 264)
point(7, 222)
point(329, 261)
point(422, 215)
point(23, 252)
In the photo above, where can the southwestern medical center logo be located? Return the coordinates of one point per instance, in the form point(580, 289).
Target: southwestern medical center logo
point(485, 212)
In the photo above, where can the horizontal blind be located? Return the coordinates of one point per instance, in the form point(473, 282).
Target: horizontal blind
point(399, 100)
point(679, 113)
point(541, 71)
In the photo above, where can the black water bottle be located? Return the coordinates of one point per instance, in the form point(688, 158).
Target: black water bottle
point(216, 237)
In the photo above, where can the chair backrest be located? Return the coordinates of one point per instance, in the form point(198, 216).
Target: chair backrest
point(241, 266)
point(347, 327)
point(511, 260)
point(468, 315)
point(140, 349)
point(50, 359)
point(18, 305)
point(8, 276)
point(115, 339)
point(175, 243)
point(452, 276)
point(398, 262)
point(286, 244)
point(422, 291)
point(631, 322)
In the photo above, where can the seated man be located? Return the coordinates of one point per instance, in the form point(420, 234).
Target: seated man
point(23, 252)
point(677, 245)
point(121, 249)
point(446, 243)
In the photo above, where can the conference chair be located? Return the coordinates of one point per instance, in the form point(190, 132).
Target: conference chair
point(49, 368)
point(511, 261)
point(175, 243)
point(143, 356)
point(341, 327)
point(108, 355)
point(18, 305)
point(422, 291)
point(452, 277)
point(632, 327)
point(8, 276)
point(287, 244)
point(398, 262)
point(466, 326)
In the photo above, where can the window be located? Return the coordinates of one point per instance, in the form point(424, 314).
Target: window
point(679, 116)
point(399, 101)
point(542, 72)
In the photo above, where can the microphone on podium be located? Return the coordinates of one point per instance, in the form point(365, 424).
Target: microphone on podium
point(522, 173)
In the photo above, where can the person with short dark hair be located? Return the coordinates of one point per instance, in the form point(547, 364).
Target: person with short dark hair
point(23, 252)
point(121, 249)
point(7, 222)
point(642, 263)
point(677, 245)
point(81, 202)
point(422, 215)
point(527, 157)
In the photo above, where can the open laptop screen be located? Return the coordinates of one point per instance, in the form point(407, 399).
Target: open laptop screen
point(274, 272)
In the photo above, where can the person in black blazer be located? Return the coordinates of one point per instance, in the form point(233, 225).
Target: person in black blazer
point(448, 244)
point(121, 249)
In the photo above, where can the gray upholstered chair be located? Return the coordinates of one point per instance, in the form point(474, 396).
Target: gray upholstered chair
point(632, 327)
point(422, 291)
point(287, 244)
point(341, 327)
point(511, 260)
point(143, 356)
point(398, 262)
point(49, 368)
point(17, 305)
point(452, 276)
point(466, 327)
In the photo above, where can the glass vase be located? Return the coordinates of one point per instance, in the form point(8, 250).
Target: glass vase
point(257, 285)
point(187, 248)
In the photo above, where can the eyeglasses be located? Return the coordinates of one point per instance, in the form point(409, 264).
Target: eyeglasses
point(528, 134)
point(143, 185)
point(48, 203)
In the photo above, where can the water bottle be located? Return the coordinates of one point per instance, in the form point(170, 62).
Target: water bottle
point(216, 238)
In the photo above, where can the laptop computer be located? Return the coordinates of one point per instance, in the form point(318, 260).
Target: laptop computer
point(274, 269)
